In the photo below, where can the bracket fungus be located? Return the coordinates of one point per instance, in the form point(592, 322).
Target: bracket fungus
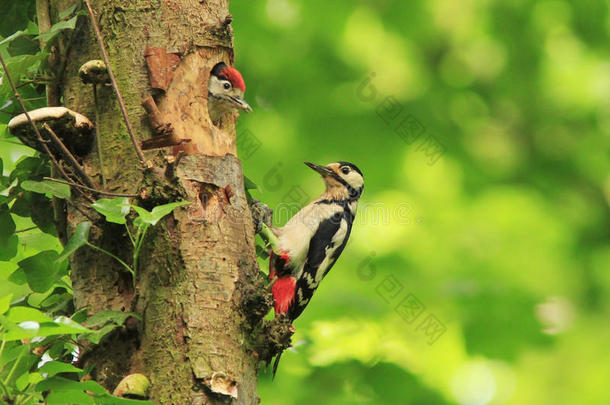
point(72, 128)
point(94, 72)
point(134, 386)
point(222, 384)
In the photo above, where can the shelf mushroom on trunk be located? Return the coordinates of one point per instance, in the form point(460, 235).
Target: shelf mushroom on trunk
point(73, 129)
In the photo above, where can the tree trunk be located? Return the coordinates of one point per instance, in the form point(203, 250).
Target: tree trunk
point(195, 264)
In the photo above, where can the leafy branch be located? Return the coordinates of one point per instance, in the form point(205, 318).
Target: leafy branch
point(115, 210)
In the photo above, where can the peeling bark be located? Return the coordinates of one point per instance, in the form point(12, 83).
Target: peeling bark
point(195, 263)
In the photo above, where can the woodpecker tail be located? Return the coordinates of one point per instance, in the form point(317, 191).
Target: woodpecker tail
point(275, 364)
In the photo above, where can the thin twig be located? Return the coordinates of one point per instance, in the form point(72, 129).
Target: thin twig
point(32, 82)
point(100, 40)
point(26, 229)
point(88, 188)
point(13, 114)
point(36, 130)
point(68, 155)
point(98, 141)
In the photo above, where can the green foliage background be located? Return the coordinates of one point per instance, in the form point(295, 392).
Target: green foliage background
point(504, 239)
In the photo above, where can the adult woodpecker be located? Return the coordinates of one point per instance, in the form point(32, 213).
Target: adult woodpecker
point(226, 89)
point(307, 247)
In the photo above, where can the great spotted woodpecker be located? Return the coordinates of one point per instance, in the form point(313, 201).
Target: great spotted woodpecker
point(226, 89)
point(309, 244)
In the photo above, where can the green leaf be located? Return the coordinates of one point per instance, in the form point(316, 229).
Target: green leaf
point(22, 364)
point(68, 323)
point(62, 384)
point(13, 37)
point(262, 252)
point(27, 379)
point(18, 277)
point(9, 250)
point(25, 330)
point(5, 303)
point(116, 318)
point(57, 28)
point(158, 212)
point(65, 391)
point(144, 216)
point(41, 270)
point(22, 322)
point(32, 28)
point(49, 188)
point(250, 185)
point(67, 12)
point(28, 168)
point(7, 226)
point(103, 317)
point(18, 66)
point(112, 400)
point(69, 397)
point(114, 209)
point(81, 315)
point(22, 382)
point(99, 334)
point(22, 314)
point(54, 367)
point(7, 190)
point(38, 207)
point(35, 299)
point(78, 239)
point(18, 291)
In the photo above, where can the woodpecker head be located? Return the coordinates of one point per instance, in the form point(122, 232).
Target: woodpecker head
point(344, 181)
point(226, 89)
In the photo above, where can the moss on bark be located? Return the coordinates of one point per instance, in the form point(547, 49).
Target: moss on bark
point(191, 341)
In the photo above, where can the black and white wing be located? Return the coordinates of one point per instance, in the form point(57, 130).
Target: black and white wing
point(324, 248)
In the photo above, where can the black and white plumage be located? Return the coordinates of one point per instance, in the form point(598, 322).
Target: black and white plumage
point(311, 241)
point(226, 88)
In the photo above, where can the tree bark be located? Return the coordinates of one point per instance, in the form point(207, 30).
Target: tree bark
point(196, 263)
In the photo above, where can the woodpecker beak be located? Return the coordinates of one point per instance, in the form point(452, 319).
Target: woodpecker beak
point(240, 104)
point(323, 170)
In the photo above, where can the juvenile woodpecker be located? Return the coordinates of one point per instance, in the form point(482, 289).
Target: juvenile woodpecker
point(311, 241)
point(226, 89)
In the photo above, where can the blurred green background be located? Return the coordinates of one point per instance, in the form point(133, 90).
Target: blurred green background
point(503, 239)
point(478, 271)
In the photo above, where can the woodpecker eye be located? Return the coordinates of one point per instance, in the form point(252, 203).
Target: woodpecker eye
point(227, 86)
point(345, 170)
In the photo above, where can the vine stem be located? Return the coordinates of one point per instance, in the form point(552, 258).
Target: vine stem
point(271, 239)
point(4, 389)
point(88, 188)
point(10, 374)
point(106, 58)
point(139, 241)
point(133, 242)
point(99, 249)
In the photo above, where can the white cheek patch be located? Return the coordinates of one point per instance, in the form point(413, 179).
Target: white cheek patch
point(354, 179)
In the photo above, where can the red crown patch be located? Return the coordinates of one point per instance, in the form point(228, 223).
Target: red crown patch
point(234, 77)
